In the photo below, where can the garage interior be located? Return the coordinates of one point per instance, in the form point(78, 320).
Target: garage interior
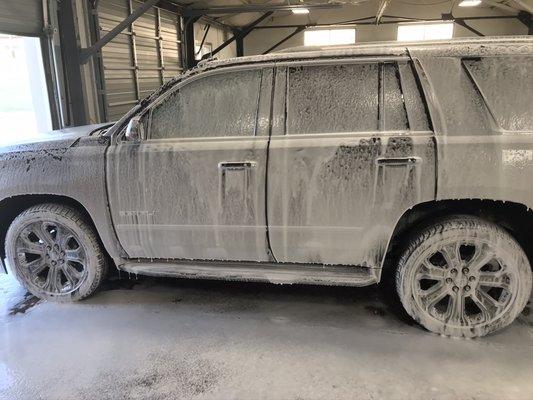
point(67, 63)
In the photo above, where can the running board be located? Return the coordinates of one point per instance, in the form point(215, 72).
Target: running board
point(338, 275)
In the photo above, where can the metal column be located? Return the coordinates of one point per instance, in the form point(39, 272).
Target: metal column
point(67, 32)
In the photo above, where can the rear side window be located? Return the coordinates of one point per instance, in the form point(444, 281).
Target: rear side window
point(394, 115)
point(213, 106)
point(506, 84)
point(417, 113)
point(353, 98)
point(333, 98)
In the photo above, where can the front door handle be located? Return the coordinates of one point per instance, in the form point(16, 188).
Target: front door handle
point(236, 165)
point(236, 170)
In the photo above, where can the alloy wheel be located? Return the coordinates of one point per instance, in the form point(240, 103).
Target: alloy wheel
point(51, 257)
point(464, 283)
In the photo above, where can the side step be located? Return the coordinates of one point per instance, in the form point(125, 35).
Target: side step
point(338, 275)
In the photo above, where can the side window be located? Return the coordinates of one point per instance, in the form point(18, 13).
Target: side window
point(394, 115)
point(353, 98)
point(217, 105)
point(333, 98)
point(506, 84)
point(463, 109)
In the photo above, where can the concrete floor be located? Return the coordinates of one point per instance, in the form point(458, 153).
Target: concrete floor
point(177, 339)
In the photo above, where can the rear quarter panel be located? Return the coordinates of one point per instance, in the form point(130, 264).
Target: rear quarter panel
point(496, 167)
point(478, 155)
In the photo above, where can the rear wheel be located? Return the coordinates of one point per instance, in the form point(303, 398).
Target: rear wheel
point(464, 277)
point(54, 253)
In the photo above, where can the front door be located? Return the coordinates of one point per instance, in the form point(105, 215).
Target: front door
point(350, 152)
point(194, 189)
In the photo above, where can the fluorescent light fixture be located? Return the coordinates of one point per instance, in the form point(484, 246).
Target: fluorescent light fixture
point(300, 11)
point(428, 31)
point(469, 3)
point(328, 37)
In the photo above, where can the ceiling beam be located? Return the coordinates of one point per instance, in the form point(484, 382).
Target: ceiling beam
point(392, 21)
point(461, 22)
point(381, 10)
point(240, 34)
point(499, 5)
point(252, 8)
point(290, 35)
point(177, 8)
point(525, 6)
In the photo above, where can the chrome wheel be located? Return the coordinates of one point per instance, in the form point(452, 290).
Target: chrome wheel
point(50, 257)
point(464, 283)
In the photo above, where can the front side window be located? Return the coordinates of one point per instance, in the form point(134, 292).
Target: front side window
point(213, 106)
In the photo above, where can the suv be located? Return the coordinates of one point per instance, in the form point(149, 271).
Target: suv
point(404, 163)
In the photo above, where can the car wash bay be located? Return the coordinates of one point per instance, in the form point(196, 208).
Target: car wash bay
point(66, 63)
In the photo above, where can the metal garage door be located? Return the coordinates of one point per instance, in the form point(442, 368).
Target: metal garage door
point(21, 17)
point(141, 58)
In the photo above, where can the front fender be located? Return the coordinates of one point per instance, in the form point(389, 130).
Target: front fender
point(74, 169)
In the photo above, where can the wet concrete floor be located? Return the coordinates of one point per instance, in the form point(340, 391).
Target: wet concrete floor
point(186, 339)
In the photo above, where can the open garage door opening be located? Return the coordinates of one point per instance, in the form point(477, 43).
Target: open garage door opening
point(24, 106)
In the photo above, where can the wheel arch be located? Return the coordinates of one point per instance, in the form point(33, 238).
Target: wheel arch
point(12, 206)
point(516, 218)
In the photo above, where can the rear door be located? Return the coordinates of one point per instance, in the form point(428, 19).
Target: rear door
point(194, 189)
point(351, 150)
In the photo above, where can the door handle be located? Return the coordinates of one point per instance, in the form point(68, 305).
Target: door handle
point(236, 165)
point(411, 170)
point(243, 169)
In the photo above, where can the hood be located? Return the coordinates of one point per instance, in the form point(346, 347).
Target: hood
point(66, 134)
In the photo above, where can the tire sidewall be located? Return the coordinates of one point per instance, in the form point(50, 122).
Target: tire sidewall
point(507, 249)
point(86, 240)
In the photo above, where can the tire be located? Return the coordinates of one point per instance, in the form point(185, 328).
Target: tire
point(55, 254)
point(463, 277)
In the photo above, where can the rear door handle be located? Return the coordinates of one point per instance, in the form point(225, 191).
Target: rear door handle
point(398, 161)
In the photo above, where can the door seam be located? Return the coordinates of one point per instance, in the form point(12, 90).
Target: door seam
point(267, 163)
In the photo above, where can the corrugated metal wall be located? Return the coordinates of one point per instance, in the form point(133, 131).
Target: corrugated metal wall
point(21, 17)
point(141, 58)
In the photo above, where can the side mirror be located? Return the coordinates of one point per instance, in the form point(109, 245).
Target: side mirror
point(135, 130)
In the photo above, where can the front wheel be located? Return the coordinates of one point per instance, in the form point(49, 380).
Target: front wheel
point(463, 277)
point(54, 253)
